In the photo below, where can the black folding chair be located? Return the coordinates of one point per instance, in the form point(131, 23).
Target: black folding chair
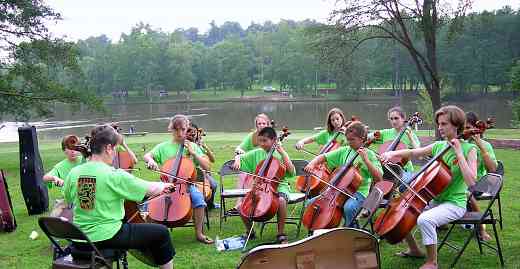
point(294, 198)
point(226, 170)
point(70, 257)
point(370, 206)
point(491, 184)
point(484, 196)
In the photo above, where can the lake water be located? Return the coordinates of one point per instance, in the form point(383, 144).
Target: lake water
point(238, 116)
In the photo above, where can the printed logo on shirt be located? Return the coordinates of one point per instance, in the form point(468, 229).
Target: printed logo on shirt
point(87, 192)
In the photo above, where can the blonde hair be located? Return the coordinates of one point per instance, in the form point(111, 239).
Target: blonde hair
point(263, 116)
point(456, 116)
point(177, 121)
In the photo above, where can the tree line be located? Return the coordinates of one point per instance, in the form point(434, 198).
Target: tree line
point(298, 55)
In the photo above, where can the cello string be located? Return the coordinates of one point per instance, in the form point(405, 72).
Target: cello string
point(404, 183)
point(308, 152)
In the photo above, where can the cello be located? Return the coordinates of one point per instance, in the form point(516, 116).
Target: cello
point(261, 202)
point(315, 182)
point(326, 211)
point(399, 218)
point(123, 159)
point(386, 185)
point(204, 188)
point(175, 210)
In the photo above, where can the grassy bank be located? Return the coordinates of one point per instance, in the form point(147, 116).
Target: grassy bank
point(18, 251)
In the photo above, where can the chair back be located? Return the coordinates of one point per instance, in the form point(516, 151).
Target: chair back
point(500, 168)
point(299, 165)
point(60, 228)
point(226, 169)
point(371, 203)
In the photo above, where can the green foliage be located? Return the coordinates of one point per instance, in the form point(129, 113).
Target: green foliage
point(424, 105)
point(39, 70)
point(515, 76)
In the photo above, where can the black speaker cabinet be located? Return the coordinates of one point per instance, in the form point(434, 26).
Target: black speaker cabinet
point(34, 190)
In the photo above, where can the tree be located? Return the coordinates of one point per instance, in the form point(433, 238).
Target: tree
point(39, 69)
point(364, 20)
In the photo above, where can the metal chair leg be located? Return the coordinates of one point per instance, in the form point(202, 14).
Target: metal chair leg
point(499, 211)
point(478, 236)
point(445, 237)
point(462, 249)
point(499, 248)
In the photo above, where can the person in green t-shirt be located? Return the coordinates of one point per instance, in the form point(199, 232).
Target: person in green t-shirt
point(248, 163)
point(249, 143)
point(397, 118)
point(450, 204)
point(194, 135)
point(487, 162)
point(60, 171)
point(335, 120)
point(98, 191)
point(369, 168)
point(168, 150)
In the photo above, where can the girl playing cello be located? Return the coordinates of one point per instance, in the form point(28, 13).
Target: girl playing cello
point(61, 170)
point(486, 162)
point(249, 143)
point(335, 120)
point(167, 150)
point(248, 163)
point(369, 166)
point(451, 203)
point(194, 135)
point(97, 191)
point(397, 118)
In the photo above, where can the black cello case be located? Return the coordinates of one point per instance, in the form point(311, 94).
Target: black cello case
point(34, 189)
point(7, 219)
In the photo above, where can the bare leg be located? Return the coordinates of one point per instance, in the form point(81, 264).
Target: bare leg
point(413, 249)
point(282, 215)
point(198, 218)
point(431, 257)
point(168, 265)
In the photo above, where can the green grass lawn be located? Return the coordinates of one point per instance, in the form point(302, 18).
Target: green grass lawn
point(18, 251)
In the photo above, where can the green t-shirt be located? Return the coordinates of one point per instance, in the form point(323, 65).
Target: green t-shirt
point(481, 166)
point(455, 192)
point(324, 136)
point(62, 169)
point(251, 159)
point(339, 156)
point(391, 134)
point(167, 150)
point(247, 143)
point(120, 148)
point(98, 191)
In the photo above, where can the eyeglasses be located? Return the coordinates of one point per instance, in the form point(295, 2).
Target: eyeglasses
point(394, 118)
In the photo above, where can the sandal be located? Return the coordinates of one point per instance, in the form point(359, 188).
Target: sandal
point(205, 240)
point(282, 239)
point(407, 254)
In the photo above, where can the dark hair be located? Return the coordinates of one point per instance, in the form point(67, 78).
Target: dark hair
point(101, 136)
point(333, 111)
point(268, 132)
point(397, 109)
point(471, 118)
point(358, 129)
point(193, 125)
point(455, 116)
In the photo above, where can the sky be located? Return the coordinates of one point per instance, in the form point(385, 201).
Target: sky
point(82, 19)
